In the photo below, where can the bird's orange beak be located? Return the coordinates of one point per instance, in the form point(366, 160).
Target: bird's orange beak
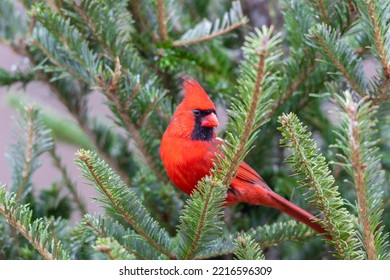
point(210, 120)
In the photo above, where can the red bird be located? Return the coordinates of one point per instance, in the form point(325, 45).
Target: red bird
point(189, 146)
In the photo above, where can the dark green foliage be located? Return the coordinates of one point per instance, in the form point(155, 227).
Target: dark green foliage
point(36, 232)
point(247, 249)
point(134, 53)
point(361, 159)
point(122, 200)
point(315, 176)
point(9, 78)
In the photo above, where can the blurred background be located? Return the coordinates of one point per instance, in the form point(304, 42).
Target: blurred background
point(41, 95)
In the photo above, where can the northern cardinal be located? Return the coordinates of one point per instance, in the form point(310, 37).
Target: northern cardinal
point(189, 146)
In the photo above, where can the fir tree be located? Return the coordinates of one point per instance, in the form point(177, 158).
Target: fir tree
point(276, 84)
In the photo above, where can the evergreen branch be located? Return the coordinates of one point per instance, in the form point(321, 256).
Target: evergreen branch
point(111, 92)
point(91, 25)
point(356, 140)
point(33, 139)
point(210, 36)
point(378, 39)
point(383, 91)
point(62, 95)
point(124, 200)
point(117, 89)
point(104, 227)
point(358, 167)
point(82, 121)
point(247, 248)
point(250, 118)
point(36, 232)
point(9, 78)
point(323, 11)
point(293, 87)
point(137, 14)
point(337, 14)
point(200, 221)
point(337, 51)
point(112, 249)
point(62, 128)
point(256, 84)
point(74, 54)
point(28, 156)
point(266, 236)
point(375, 18)
point(207, 30)
point(69, 184)
point(162, 20)
point(311, 165)
point(279, 233)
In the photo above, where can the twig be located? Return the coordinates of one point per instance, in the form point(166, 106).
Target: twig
point(68, 182)
point(137, 14)
point(250, 117)
point(323, 12)
point(382, 93)
point(105, 249)
point(378, 39)
point(292, 88)
point(341, 68)
point(162, 20)
point(210, 36)
point(27, 157)
point(359, 168)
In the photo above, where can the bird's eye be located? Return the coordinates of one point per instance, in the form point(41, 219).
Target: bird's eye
point(196, 112)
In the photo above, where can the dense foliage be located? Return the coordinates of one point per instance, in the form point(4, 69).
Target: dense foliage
point(303, 110)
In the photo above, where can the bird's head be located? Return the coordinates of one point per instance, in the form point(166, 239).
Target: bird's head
point(195, 117)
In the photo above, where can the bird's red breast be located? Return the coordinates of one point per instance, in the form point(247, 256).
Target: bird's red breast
point(188, 148)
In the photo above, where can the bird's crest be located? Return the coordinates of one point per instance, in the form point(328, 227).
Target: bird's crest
point(195, 97)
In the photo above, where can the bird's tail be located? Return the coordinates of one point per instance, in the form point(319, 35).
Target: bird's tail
point(262, 194)
point(296, 212)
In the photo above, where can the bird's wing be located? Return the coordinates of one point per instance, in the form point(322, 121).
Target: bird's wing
point(244, 172)
point(248, 174)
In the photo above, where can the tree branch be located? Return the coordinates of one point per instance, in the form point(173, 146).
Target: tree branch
point(341, 68)
point(102, 234)
point(68, 182)
point(17, 225)
point(110, 91)
point(86, 159)
point(250, 117)
point(27, 157)
point(292, 88)
point(359, 178)
point(210, 36)
point(378, 38)
point(162, 20)
point(323, 12)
